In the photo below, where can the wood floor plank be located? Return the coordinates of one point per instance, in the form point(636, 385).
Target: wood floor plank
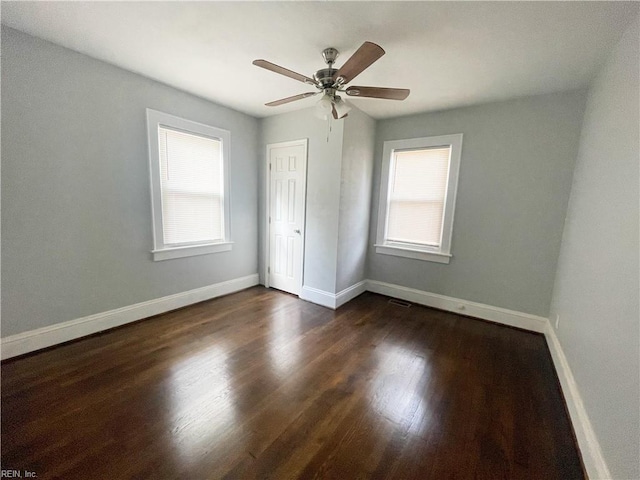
point(260, 385)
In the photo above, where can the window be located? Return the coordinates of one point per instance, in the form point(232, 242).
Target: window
point(417, 197)
point(189, 186)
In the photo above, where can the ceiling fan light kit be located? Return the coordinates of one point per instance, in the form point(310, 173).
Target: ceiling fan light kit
point(329, 81)
point(324, 107)
point(342, 107)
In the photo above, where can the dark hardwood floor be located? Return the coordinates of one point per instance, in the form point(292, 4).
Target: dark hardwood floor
point(260, 384)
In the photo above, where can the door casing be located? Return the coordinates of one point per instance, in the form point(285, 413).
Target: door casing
point(304, 142)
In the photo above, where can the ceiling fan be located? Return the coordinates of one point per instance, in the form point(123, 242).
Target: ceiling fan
point(329, 81)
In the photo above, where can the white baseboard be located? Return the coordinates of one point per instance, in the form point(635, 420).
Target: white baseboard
point(350, 293)
point(594, 462)
point(512, 318)
point(592, 457)
point(332, 300)
point(317, 296)
point(32, 340)
point(451, 304)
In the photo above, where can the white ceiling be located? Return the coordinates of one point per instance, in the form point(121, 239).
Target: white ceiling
point(449, 54)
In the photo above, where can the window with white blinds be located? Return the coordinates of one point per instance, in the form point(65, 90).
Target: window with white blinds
point(417, 198)
point(192, 189)
point(417, 190)
point(189, 183)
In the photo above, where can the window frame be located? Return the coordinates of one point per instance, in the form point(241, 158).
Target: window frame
point(162, 251)
point(441, 254)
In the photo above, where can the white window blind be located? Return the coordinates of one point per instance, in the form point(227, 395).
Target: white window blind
point(417, 193)
point(192, 187)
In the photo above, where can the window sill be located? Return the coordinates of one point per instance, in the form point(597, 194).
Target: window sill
point(416, 254)
point(190, 250)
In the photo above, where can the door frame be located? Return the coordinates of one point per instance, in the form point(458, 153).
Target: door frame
point(303, 142)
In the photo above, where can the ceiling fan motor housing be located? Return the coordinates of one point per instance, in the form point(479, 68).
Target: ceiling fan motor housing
point(325, 77)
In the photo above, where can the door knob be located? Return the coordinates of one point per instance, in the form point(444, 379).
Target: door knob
point(297, 231)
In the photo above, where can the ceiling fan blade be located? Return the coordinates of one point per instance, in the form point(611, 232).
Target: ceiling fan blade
point(282, 101)
point(378, 92)
point(359, 61)
point(283, 71)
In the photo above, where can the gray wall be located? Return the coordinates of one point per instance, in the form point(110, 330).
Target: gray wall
point(515, 176)
point(76, 217)
point(355, 198)
point(323, 190)
point(596, 289)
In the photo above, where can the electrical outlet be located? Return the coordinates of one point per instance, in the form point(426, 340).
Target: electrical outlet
point(557, 320)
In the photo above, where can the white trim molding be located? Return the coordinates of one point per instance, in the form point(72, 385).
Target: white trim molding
point(303, 142)
point(37, 339)
point(317, 296)
point(464, 307)
point(350, 293)
point(157, 121)
point(504, 316)
point(588, 444)
point(190, 250)
point(440, 253)
point(333, 300)
point(389, 249)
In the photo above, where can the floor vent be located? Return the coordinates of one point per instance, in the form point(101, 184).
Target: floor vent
point(399, 303)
